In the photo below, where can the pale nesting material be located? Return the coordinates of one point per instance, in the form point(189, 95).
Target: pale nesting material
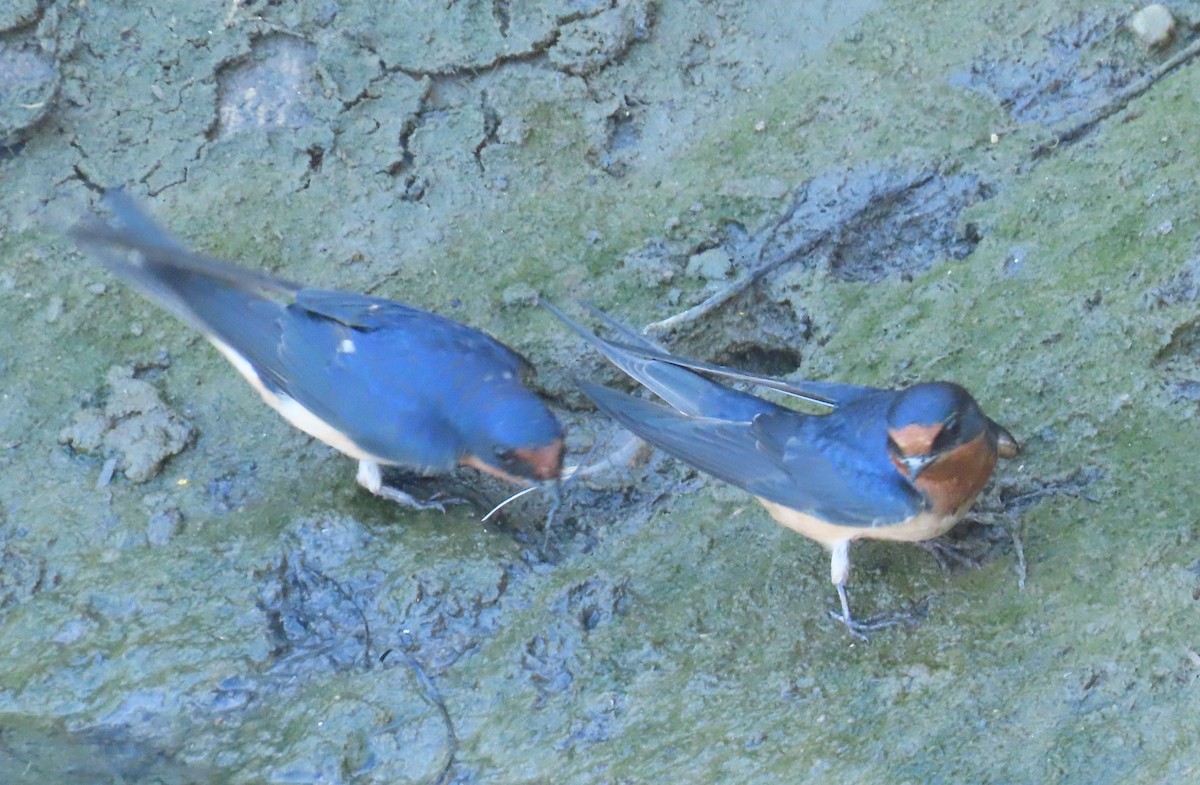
point(1154, 25)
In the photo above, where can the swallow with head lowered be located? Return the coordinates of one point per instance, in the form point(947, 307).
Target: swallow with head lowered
point(382, 382)
point(881, 464)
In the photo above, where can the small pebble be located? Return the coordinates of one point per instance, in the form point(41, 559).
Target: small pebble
point(106, 473)
point(54, 309)
point(519, 295)
point(1154, 25)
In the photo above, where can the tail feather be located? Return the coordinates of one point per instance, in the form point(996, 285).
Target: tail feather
point(137, 249)
point(686, 391)
point(635, 349)
point(235, 306)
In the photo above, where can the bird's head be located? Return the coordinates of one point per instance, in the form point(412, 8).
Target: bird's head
point(515, 437)
point(937, 427)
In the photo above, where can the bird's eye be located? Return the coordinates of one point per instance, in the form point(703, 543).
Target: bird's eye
point(948, 435)
point(893, 448)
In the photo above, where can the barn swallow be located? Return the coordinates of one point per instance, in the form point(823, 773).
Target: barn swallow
point(881, 464)
point(382, 382)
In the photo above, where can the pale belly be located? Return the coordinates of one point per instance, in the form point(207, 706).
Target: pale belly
point(923, 526)
point(293, 412)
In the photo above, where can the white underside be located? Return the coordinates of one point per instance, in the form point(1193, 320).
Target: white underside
point(920, 527)
point(369, 475)
point(296, 414)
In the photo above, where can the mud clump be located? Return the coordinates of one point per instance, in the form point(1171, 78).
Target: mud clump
point(548, 657)
point(29, 82)
point(587, 45)
point(324, 605)
point(272, 89)
point(1081, 68)
point(133, 427)
point(654, 264)
point(873, 223)
point(1182, 287)
point(1153, 25)
point(1178, 363)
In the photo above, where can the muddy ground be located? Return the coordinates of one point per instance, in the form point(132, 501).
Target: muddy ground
point(191, 591)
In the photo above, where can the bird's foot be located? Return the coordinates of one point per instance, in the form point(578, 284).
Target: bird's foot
point(406, 499)
point(370, 476)
point(859, 629)
point(882, 621)
point(944, 554)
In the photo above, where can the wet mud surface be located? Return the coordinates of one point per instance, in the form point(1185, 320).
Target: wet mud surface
point(1076, 65)
point(192, 591)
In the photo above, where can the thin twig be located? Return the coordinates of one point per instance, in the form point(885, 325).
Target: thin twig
point(1019, 548)
point(434, 696)
point(1116, 103)
point(778, 258)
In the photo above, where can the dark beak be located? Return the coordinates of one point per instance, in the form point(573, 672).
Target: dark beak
point(1007, 445)
point(916, 464)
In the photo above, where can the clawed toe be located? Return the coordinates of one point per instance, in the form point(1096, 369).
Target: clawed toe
point(882, 621)
point(408, 500)
point(944, 553)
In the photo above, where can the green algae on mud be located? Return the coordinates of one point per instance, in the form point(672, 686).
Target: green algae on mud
point(676, 632)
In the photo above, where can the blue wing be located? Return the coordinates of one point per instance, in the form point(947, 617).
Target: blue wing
point(773, 456)
point(147, 257)
point(686, 391)
point(780, 456)
point(431, 330)
point(393, 377)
